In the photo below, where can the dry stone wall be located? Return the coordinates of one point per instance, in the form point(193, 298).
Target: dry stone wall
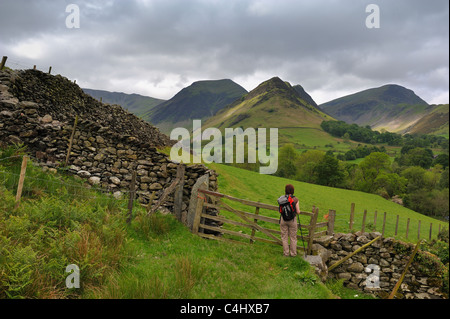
point(39, 110)
point(378, 267)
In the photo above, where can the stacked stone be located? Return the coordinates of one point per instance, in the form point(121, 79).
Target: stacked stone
point(108, 144)
point(378, 267)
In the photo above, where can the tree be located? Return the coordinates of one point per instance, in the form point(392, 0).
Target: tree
point(418, 156)
point(392, 183)
point(287, 157)
point(329, 172)
point(416, 178)
point(371, 167)
point(441, 159)
point(307, 163)
point(443, 182)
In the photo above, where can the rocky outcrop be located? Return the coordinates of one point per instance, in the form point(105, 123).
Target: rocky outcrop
point(39, 110)
point(378, 267)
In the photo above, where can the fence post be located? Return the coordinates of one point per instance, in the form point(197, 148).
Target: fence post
point(131, 198)
point(71, 139)
point(431, 230)
point(363, 228)
point(2, 64)
point(396, 225)
point(331, 219)
point(407, 228)
point(253, 229)
point(49, 70)
point(352, 215)
point(23, 170)
point(312, 229)
point(197, 216)
point(384, 224)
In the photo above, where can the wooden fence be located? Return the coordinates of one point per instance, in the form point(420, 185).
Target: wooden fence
point(248, 220)
point(373, 224)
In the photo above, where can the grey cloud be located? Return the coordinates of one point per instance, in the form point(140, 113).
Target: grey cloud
point(166, 44)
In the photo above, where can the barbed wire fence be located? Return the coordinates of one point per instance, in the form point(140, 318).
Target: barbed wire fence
point(18, 63)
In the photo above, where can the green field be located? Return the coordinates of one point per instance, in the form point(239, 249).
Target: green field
point(266, 189)
point(61, 222)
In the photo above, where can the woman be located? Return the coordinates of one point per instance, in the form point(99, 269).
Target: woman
point(289, 228)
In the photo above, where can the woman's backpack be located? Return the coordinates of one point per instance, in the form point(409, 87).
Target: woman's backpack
point(287, 207)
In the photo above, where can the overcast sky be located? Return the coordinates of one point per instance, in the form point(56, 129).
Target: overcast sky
point(157, 47)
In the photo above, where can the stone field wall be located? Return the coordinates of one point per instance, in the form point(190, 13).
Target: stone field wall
point(39, 110)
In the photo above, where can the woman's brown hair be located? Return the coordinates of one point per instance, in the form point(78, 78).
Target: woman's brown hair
point(289, 189)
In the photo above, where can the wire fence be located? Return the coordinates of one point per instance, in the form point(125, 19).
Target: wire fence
point(59, 185)
point(18, 63)
point(401, 226)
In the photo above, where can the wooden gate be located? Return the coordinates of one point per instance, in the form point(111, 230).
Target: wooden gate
point(247, 221)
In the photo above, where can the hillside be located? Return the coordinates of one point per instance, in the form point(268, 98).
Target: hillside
point(200, 100)
point(262, 188)
point(436, 122)
point(274, 103)
point(390, 107)
point(134, 103)
point(304, 95)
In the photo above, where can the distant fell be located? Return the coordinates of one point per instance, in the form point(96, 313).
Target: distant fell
point(135, 103)
point(390, 107)
point(436, 122)
point(273, 103)
point(200, 100)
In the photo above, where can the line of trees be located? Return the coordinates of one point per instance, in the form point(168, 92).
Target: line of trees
point(365, 134)
point(416, 175)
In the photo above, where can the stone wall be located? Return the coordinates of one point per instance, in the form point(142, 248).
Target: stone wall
point(378, 267)
point(39, 110)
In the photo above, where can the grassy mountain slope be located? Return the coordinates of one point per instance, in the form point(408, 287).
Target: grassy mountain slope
point(200, 100)
point(273, 103)
point(135, 103)
point(436, 122)
point(390, 107)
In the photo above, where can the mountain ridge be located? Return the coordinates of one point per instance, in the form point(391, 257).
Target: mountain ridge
point(273, 102)
point(391, 107)
point(200, 100)
point(133, 102)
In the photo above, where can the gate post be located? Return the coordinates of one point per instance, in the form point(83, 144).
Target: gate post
point(312, 229)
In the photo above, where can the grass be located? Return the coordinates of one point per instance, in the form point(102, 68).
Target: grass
point(157, 257)
point(56, 225)
point(178, 264)
point(266, 189)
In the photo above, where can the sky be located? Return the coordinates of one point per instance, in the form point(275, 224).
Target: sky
point(157, 47)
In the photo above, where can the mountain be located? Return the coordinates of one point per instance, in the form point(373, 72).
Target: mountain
point(390, 107)
point(200, 100)
point(305, 96)
point(273, 104)
point(436, 122)
point(135, 103)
